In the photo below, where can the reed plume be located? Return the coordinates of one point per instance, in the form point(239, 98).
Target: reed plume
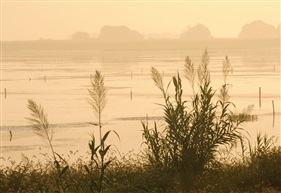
point(226, 67)
point(158, 80)
point(97, 98)
point(203, 71)
point(189, 72)
point(39, 122)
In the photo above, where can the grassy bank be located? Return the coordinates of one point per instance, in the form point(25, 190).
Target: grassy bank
point(260, 173)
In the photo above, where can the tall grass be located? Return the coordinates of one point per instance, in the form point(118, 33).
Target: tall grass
point(40, 125)
point(226, 67)
point(193, 131)
point(203, 73)
point(97, 100)
point(190, 72)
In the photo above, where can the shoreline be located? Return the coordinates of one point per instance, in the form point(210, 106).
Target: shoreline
point(76, 139)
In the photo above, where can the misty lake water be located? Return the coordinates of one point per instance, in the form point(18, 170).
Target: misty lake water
point(59, 79)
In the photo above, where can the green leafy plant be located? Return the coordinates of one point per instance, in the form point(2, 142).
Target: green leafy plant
point(97, 101)
point(193, 133)
point(262, 146)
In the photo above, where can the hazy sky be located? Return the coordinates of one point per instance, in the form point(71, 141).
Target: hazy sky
point(58, 20)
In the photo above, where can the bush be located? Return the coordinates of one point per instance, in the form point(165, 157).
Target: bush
point(190, 140)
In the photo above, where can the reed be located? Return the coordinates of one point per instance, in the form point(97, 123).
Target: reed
point(226, 68)
point(97, 100)
point(39, 122)
point(189, 72)
point(193, 134)
point(203, 71)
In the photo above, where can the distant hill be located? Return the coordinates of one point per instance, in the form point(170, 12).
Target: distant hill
point(119, 34)
point(197, 32)
point(259, 30)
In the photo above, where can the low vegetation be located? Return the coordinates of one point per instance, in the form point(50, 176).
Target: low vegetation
point(184, 155)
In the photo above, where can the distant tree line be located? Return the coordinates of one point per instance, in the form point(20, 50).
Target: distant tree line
point(254, 30)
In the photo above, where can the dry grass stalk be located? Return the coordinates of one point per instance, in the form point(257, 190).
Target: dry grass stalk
point(189, 72)
point(39, 122)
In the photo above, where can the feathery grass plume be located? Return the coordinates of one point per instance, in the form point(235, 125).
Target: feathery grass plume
point(98, 97)
point(40, 126)
point(189, 72)
point(158, 80)
point(203, 72)
point(224, 96)
point(97, 100)
point(226, 68)
point(39, 123)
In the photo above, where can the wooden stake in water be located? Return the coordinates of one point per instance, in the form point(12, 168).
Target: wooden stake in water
point(5, 92)
point(11, 135)
point(273, 121)
point(273, 109)
point(260, 97)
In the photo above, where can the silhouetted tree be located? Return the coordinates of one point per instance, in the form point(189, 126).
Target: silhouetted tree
point(81, 36)
point(119, 34)
point(258, 30)
point(197, 32)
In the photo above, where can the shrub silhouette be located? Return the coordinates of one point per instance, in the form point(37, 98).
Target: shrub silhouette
point(192, 135)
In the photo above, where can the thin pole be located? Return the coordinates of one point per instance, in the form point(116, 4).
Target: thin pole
point(260, 97)
point(273, 109)
point(5, 92)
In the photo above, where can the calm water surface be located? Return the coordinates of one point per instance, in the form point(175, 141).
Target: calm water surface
point(59, 81)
